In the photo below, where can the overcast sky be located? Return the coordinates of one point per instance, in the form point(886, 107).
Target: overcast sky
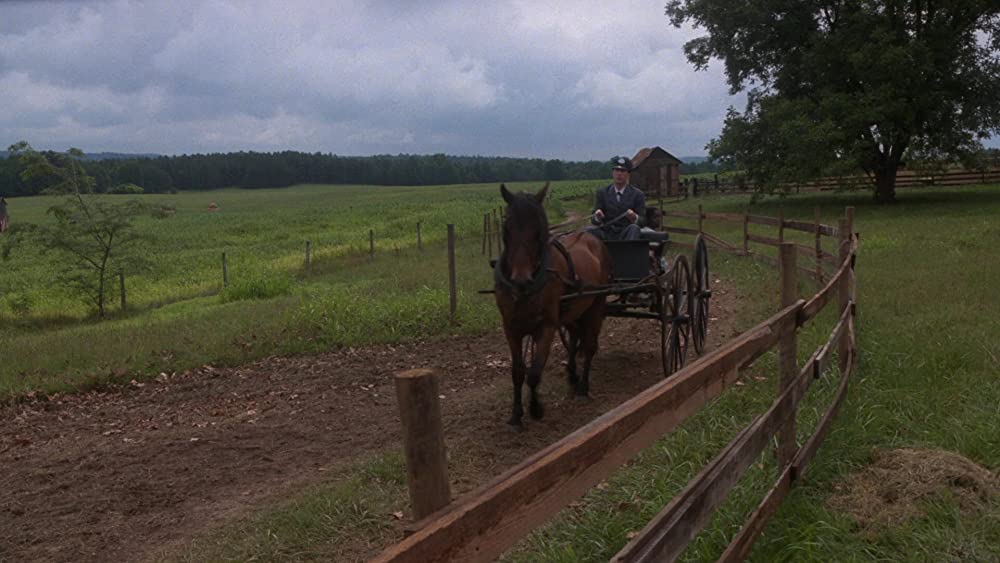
point(572, 80)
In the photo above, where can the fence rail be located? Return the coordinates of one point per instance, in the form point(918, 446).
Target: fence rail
point(905, 179)
point(485, 523)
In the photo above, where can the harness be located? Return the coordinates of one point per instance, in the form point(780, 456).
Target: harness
point(538, 279)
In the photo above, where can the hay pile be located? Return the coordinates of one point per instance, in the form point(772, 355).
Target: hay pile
point(891, 489)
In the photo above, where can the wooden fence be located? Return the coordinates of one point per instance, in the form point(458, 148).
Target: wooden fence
point(697, 187)
point(486, 522)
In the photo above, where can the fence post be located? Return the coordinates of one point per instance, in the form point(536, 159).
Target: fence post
point(496, 235)
point(453, 301)
point(420, 244)
point(499, 236)
point(716, 183)
point(701, 217)
point(371, 244)
point(225, 271)
point(121, 279)
point(787, 350)
point(423, 441)
point(819, 247)
point(746, 233)
point(844, 289)
point(781, 225)
point(308, 257)
point(488, 233)
point(485, 233)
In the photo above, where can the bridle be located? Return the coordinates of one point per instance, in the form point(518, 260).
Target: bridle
point(538, 278)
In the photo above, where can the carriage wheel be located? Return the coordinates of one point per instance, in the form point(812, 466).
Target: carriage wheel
point(675, 317)
point(701, 295)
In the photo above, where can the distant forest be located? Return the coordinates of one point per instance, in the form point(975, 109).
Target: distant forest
point(165, 174)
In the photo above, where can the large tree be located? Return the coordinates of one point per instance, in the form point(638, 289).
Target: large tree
point(847, 85)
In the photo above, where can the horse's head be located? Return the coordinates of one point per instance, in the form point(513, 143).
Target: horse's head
point(525, 236)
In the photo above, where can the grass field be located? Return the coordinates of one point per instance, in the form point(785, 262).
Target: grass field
point(179, 317)
point(929, 338)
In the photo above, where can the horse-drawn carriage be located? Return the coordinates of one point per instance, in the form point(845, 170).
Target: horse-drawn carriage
point(546, 285)
point(646, 284)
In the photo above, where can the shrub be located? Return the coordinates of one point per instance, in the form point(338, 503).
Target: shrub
point(126, 189)
point(256, 288)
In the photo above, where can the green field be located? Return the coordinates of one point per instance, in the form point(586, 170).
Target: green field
point(929, 338)
point(179, 317)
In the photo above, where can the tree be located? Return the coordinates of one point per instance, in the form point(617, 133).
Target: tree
point(554, 170)
point(93, 236)
point(848, 85)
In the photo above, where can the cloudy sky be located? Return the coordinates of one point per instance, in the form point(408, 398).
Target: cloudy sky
point(572, 80)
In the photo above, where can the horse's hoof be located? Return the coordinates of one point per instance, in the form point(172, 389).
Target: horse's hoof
point(537, 411)
point(582, 397)
point(515, 427)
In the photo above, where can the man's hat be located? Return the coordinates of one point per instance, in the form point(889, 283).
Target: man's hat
point(621, 163)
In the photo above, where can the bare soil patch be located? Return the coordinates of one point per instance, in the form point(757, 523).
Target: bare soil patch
point(891, 489)
point(121, 473)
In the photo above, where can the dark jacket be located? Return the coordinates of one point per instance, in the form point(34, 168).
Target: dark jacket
point(607, 201)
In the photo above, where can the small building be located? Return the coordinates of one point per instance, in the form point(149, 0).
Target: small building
point(656, 172)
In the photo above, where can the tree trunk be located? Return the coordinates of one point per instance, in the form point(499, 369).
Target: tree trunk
point(100, 296)
point(885, 186)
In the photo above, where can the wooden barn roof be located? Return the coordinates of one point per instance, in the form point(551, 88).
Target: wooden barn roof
point(647, 152)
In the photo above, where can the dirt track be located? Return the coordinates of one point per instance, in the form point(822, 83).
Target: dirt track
point(116, 475)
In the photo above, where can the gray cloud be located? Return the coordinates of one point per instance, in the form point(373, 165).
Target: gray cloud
point(572, 80)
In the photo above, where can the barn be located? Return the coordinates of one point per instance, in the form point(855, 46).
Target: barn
point(656, 172)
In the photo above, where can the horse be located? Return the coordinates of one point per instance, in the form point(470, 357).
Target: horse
point(532, 275)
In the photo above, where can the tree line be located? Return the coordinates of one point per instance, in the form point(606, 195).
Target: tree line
point(165, 174)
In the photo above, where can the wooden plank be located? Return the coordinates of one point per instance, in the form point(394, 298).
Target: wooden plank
point(808, 271)
point(804, 250)
point(681, 230)
point(787, 348)
point(808, 450)
point(680, 214)
point(844, 286)
point(764, 240)
point(740, 546)
point(488, 521)
point(730, 217)
point(670, 532)
point(816, 303)
point(765, 258)
point(804, 226)
point(822, 357)
point(710, 238)
point(764, 220)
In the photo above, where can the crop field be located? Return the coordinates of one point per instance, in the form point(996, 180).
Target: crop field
point(179, 316)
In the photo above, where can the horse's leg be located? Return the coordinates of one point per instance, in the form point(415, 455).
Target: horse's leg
point(572, 344)
point(590, 333)
point(543, 343)
point(517, 375)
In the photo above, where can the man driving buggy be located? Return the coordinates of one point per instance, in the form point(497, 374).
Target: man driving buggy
point(619, 208)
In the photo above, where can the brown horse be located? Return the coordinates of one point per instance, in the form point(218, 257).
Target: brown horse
point(532, 275)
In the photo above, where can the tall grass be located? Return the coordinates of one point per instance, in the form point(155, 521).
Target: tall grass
point(180, 316)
